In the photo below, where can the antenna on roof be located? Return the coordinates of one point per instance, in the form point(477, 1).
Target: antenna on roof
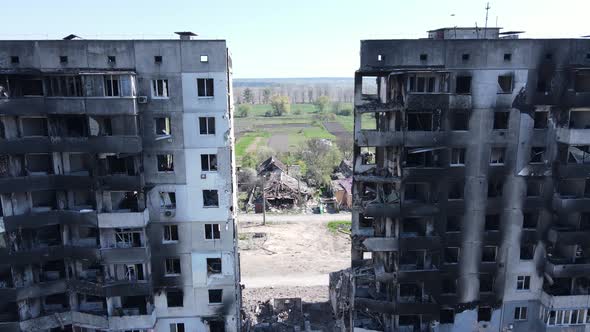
point(486, 27)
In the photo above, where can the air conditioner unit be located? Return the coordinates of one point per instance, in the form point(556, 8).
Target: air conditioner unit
point(142, 100)
point(170, 213)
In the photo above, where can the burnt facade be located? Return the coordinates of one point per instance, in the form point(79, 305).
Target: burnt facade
point(116, 186)
point(471, 189)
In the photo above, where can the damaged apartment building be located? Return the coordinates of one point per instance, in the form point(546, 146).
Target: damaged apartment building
point(471, 185)
point(117, 186)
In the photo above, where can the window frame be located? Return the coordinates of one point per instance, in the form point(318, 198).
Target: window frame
point(212, 232)
point(460, 153)
point(210, 206)
point(169, 156)
point(165, 94)
point(207, 167)
point(167, 123)
point(523, 283)
point(209, 120)
point(208, 88)
point(172, 259)
point(521, 313)
point(209, 296)
point(169, 232)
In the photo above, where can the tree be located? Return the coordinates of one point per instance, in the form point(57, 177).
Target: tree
point(322, 103)
point(280, 105)
point(266, 93)
point(244, 110)
point(249, 161)
point(247, 178)
point(319, 169)
point(248, 96)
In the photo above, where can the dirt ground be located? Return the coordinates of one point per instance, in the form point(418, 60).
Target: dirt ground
point(279, 142)
point(292, 256)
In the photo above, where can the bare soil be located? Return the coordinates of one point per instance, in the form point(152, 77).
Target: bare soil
point(279, 142)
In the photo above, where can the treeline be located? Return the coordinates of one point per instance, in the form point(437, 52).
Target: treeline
point(297, 94)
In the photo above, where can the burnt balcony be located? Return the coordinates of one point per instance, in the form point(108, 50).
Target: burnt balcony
point(391, 307)
point(124, 254)
point(564, 235)
point(68, 105)
point(123, 219)
point(558, 267)
point(40, 289)
point(408, 242)
point(93, 144)
point(571, 203)
point(409, 138)
point(47, 253)
point(49, 218)
point(110, 288)
point(573, 136)
point(434, 101)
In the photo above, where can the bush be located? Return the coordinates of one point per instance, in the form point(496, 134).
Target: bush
point(297, 111)
point(345, 112)
point(244, 110)
point(268, 113)
point(280, 105)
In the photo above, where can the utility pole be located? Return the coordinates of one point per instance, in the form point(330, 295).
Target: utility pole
point(263, 201)
point(486, 27)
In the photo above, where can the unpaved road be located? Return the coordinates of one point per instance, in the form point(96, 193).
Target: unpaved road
point(291, 250)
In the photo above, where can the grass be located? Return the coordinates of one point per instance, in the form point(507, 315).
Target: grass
point(247, 139)
point(343, 225)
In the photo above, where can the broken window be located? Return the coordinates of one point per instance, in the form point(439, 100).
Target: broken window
point(488, 254)
point(215, 295)
point(501, 120)
point(486, 282)
point(416, 192)
point(449, 286)
point(484, 314)
point(369, 121)
point(177, 327)
point(207, 125)
point(447, 316)
point(495, 188)
point(419, 121)
point(131, 272)
point(492, 222)
point(216, 325)
point(170, 233)
point(158, 59)
point(505, 84)
point(14, 59)
point(213, 266)
point(210, 198)
point(579, 119)
point(165, 163)
point(497, 156)
point(128, 237)
point(423, 57)
point(456, 190)
point(31, 87)
point(520, 313)
point(422, 83)
point(111, 86)
point(162, 126)
point(45, 199)
point(529, 220)
point(459, 120)
point(584, 221)
point(205, 87)
point(534, 188)
point(64, 86)
point(458, 157)
point(369, 85)
point(160, 88)
point(167, 200)
point(204, 58)
point(582, 81)
point(451, 255)
point(172, 266)
point(212, 232)
point(527, 251)
point(412, 227)
point(124, 201)
point(541, 120)
point(34, 127)
point(465, 57)
point(209, 162)
point(423, 157)
point(463, 85)
point(84, 199)
point(174, 298)
point(39, 163)
point(537, 155)
point(367, 155)
point(453, 224)
point(111, 59)
point(409, 322)
point(507, 56)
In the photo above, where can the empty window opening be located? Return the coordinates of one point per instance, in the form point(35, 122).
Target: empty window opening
point(548, 56)
point(486, 282)
point(488, 254)
point(507, 56)
point(527, 251)
point(367, 155)
point(416, 192)
point(172, 266)
point(14, 59)
point(543, 85)
point(465, 57)
point(162, 125)
point(584, 224)
point(119, 165)
point(369, 85)
point(101, 126)
point(492, 222)
point(419, 121)
point(587, 56)
point(449, 286)
point(216, 325)
point(484, 314)
point(423, 157)
point(582, 81)
point(529, 220)
point(422, 83)
point(209, 162)
point(213, 266)
point(463, 85)
point(215, 295)
point(579, 119)
point(447, 316)
point(207, 125)
point(128, 237)
point(456, 190)
point(167, 200)
point(34, 127)
point(409, 322)
point(63, 59)
point(158, 59)
point(171, 233)
point(505, 84)
point(84, 199)
point(160, 89)
point(537, 155)
point(369, 121)
point(423, 57)
point(210, 198)
point(111, 59)
point(458, 157)
point(111, 86)
point(177, 327)
point(56, 303)
point(520, 313)
point(459, 120)
point(45, 199)
point(175, 298)
point(205, 87)
point(64, 86)
point(39, 163)
point(412, 260)
point(204, 58)
point(534, 188)
point(501, 120)
point(165, 163)
point(453, 224)
point(497, 156)
point(124, 201)
point(451, 255)
point(541, 120)
point(495, 188)
point(212, 232)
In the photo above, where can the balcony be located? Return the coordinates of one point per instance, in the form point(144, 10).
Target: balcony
point(123, 219)
point(54, 217)
point(372, 106)
point(390, 307)
point(44, 182)
point(567, 268)
point(132, 318)
point(68, 105)
point(409, 138)
point(434, 101)
point(564, 302)
point(405, 241)
point(573, 136)
point(571, 203)
point(44, 254)
point(111, 288)
point(93, 144)
point(36, 290)
point(125, 255)
point(568, 236)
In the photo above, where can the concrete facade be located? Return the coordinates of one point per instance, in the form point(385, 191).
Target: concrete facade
point(118, 188)
point(471, 184)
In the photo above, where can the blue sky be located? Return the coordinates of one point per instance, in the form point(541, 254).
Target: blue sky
point(278, 38)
